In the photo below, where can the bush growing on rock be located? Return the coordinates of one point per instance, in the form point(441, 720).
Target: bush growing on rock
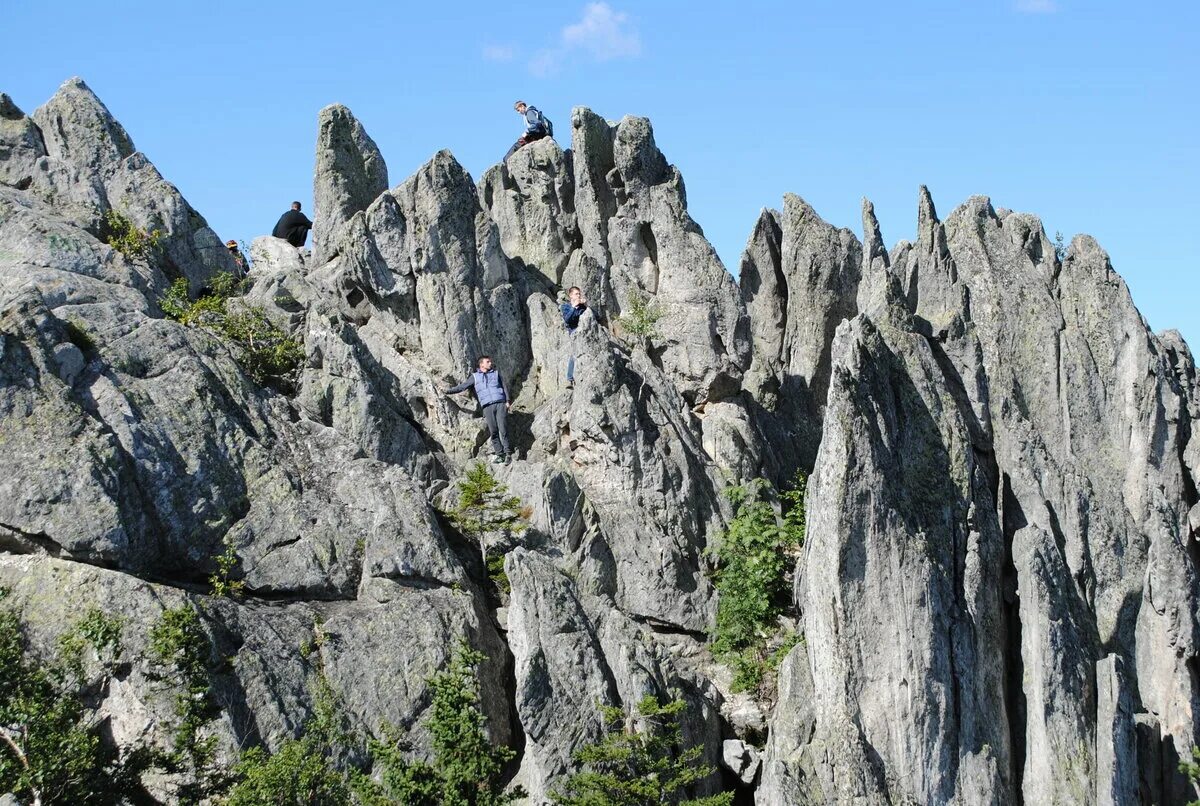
point(122, 234)
point(754, 558)
point(639, 762)
point(466, 769)
point(50, 749)
point(266, 353)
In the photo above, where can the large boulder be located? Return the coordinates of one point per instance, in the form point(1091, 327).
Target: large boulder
point(350, 174)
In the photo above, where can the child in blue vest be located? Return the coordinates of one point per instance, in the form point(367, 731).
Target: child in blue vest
point(492, 394)
point(571, 311)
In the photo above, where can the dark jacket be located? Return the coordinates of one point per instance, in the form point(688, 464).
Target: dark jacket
point(571, 314)
point(489, 386)
point(293, 226)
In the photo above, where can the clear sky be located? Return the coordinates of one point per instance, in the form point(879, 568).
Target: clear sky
point(1085, 113)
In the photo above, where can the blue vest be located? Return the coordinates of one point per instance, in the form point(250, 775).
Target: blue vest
point(488, 386)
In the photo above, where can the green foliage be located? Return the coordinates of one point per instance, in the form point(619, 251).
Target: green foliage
point(641, 320)
point(485, 512)
point(641, 767)
point(755, 557)
point(49, 750)
point(495, 567)
point(123, 235)
point(180, 650)
point(466, 770)
point(222, 581)
point(1192, 770)
point(266, 353)
point(1060, 247)
point(78, 335)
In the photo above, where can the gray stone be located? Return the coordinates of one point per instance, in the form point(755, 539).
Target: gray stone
point(741, 759)
point(1117, 768)
point(350, 174)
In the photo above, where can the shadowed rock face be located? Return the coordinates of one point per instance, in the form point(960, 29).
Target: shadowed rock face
point(998, 588)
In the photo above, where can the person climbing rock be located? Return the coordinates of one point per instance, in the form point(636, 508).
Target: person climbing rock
point(492, 393)
point(236, 253)
point(571, 311)
point(293, 226)
point(537, 126)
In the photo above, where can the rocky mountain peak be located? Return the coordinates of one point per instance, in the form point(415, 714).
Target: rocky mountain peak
point(996, 596)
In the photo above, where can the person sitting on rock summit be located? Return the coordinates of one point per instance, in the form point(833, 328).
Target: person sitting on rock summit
point(293, 226)
point(571, 311)
point(537, 126)
point(492, 393)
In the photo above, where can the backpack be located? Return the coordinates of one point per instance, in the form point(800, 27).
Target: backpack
point(544, 121)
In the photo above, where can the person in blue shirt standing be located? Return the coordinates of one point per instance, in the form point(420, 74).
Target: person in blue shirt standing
point(492, 393)
point(571, 311)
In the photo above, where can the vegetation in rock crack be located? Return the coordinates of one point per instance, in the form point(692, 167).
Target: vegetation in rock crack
point(122, 234)
point(754, 557)
point(488, 515)
point(641, 320)
point(1192, 770)
point(639, 762)
point(50, 750)
point(221, 580)
point(179, 651)
point(466, 769)
point(79, 335)
point(303, 771)
point(267, 354)
point(1060, 247)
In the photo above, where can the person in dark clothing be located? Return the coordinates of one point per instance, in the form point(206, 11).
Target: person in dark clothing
point(537, 126)
point(492, 393)
point(293, 226)
point(571, 311)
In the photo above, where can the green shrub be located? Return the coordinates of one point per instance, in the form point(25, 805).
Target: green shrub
point(642, 767)
point(641, 320)
point(50, 751)
point(266, 353)
point(466, 768)
point(302, 772)
point(79, 335)
point(1192, 770)
point(1060, 247)
point(123, 235)
point(495, 567)
point(179, 652)
point(754, 558)
point(222, 580)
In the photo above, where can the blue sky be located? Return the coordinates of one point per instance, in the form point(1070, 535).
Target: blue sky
point(1084, 113)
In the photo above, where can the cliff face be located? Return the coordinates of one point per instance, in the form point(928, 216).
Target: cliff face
point(998, 590)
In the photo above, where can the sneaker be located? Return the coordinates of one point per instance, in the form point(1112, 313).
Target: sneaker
point(570, 384)
point(498, 459)
point(508, 459)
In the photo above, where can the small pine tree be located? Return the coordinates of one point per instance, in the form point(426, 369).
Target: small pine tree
point(485, 511)
point(466, 770)
point(641, 320)
point(639, 767)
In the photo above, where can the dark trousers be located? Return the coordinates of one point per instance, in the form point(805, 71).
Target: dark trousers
point(496, 417)
point(524, 140)
point(297, 237)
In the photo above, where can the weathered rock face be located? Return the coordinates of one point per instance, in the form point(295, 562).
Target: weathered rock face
point(998, 590)
point(350, 174)
point(1052, 430)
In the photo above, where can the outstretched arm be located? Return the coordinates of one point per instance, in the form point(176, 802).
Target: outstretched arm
point(462, 387)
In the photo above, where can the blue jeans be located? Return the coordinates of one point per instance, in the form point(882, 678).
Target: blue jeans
point(571, 368)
